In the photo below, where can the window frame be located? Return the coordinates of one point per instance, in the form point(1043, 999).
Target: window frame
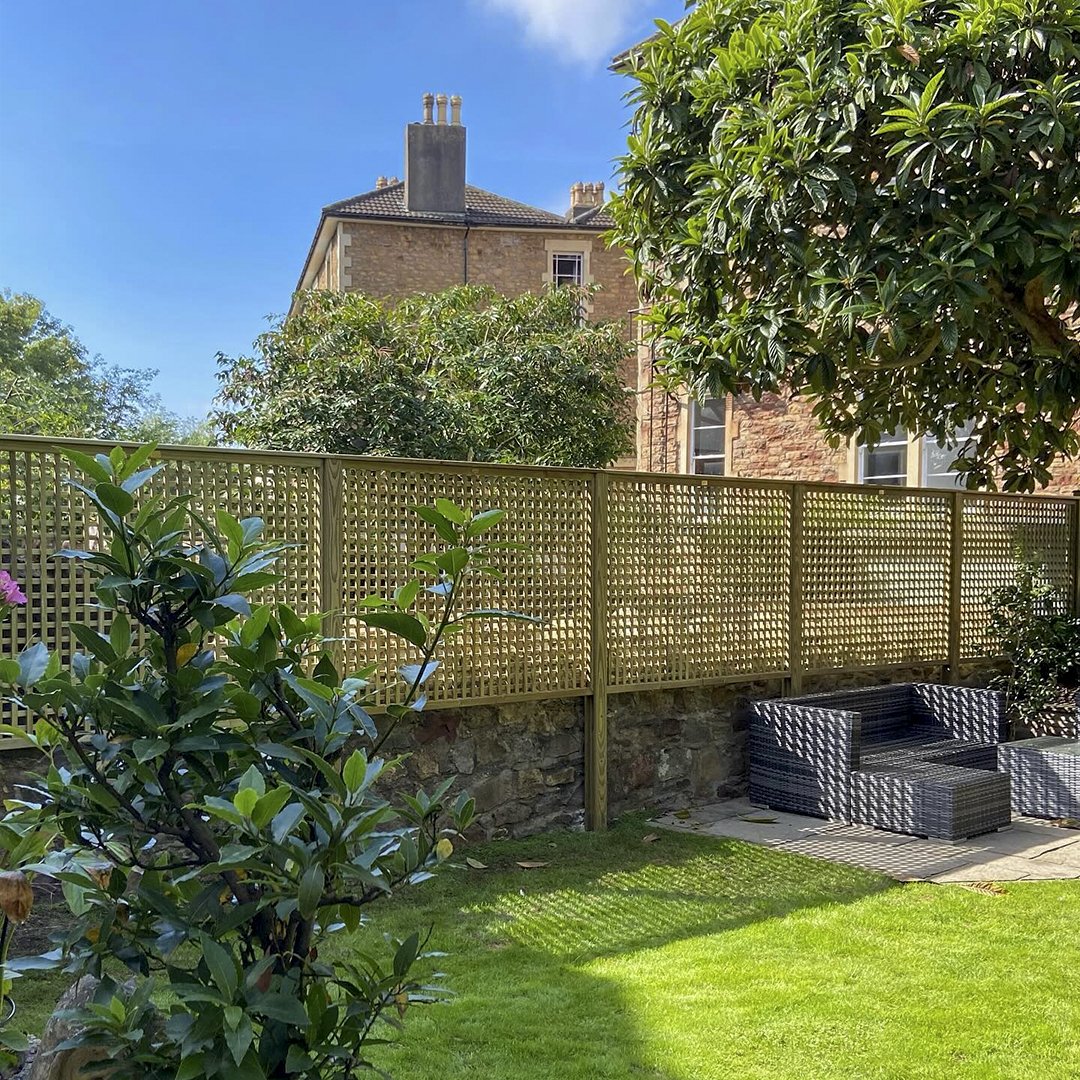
point(556, 279)
point(896, 439)
point(695, 424)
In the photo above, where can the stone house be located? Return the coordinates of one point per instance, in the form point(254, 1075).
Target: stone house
point(432, 230)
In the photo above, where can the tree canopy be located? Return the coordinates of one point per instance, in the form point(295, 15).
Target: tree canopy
point(873, 204)
point(50, 385)
point(465, 374)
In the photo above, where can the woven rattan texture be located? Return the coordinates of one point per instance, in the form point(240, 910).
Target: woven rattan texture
point(698, 580)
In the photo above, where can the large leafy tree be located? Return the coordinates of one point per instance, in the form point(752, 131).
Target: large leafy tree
point(876, 204)
point(50, 385)
point(464, 374)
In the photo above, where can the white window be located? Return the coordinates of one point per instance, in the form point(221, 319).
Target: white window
point(885, 463)
point(708, 420)
point(567, 268)
point(937, 460)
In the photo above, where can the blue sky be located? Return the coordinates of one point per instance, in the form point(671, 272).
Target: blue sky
point(162, 166)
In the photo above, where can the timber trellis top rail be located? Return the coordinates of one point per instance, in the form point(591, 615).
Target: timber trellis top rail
point(641, 580)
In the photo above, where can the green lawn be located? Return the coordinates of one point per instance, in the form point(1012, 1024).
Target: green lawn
point(695, 959)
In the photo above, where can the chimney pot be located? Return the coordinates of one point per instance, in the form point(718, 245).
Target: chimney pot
point(428, 102)
point(380, 183)
point(440, 105)
point(455, 110)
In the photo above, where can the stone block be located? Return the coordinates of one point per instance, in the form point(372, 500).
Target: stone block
point(529, 783)
point(672, 763)
point(463, 757)
point(561, 777)
point(494, 791)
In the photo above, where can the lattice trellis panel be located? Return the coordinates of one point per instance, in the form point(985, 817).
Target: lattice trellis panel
point(1000, 533)
point(548, 512)
point(697, 580)
point(42, 513)
point(875, 581)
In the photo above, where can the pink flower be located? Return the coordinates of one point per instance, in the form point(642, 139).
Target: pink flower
point(10, 593)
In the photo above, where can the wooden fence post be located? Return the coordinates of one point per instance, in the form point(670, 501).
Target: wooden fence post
point(596, 800)
point(331, 554)
point(956, 572)
point(795, 590)
point(1074, 554)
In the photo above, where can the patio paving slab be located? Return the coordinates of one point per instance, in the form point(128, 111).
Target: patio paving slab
point(1029, 850)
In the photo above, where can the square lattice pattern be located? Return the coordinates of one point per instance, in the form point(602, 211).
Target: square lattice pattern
point(699, 573)
point(875, 577)
point(697, 583)
point(998, 534)
point(547, 512)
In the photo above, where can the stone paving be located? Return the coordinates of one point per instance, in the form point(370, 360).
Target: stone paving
point(1028, 850)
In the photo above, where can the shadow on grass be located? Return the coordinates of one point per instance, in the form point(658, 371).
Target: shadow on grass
point(520, 940)
point(617, 893)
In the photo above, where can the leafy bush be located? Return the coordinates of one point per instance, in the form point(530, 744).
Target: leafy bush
point(1031, 623)
point(219, 819)
point(465, 374)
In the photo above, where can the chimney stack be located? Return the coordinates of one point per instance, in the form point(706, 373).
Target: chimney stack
point(584, 197)
point(435, 159)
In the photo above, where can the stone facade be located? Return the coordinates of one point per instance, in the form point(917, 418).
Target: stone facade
point(523, 763)
point(780, 439)
point(775, 438)
point(393, 260)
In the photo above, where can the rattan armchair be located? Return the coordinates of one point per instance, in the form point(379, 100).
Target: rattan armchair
point(914, 758)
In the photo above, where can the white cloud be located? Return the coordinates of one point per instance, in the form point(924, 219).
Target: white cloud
point(591, 31)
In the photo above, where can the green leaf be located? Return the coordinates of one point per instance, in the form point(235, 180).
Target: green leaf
point(93, 642)
point(286, 820)
point(245, 801)
point(397, 622)
point(33, 663)
point(406, 595)
point(451, 511)
point(443, 527)
point(89, 465)
point(253, 779)
point(221, 964)
point(120, 634)
point(280, 1007)
point(269, 805)
point(355, 770)
point(115, 499)
point(229, 528)
point(312, 885)
point(192, 1067)
point(14, 1040)
point(488, 519)
point(9, 671)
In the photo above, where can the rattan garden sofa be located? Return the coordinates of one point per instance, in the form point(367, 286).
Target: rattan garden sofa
point(912, 757)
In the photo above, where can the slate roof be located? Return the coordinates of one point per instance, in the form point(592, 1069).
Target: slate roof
point(481, 208)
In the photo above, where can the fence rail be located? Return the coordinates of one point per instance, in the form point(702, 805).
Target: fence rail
point(642, 580)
